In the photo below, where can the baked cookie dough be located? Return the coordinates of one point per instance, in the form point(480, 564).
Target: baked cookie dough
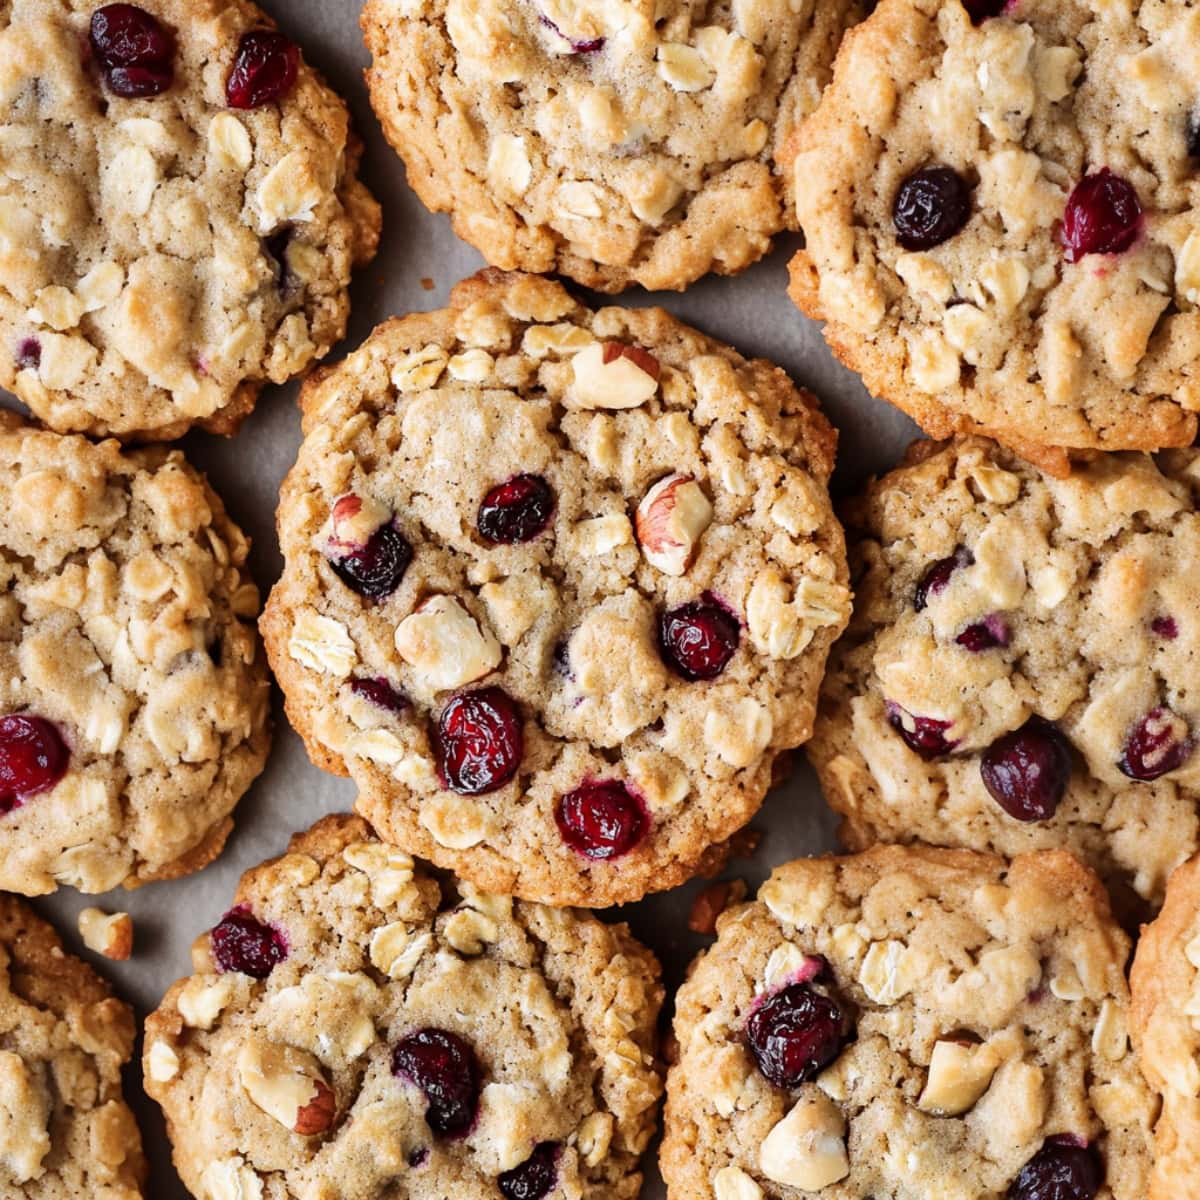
point(911, 1023)
point(179, 215)
point(614, 141)
point(1007, 236)
point(558, 588)
point(135, 696)
point(359, 1026)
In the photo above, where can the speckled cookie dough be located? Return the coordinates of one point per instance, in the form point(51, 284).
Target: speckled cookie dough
point(615, 141)
point(1007, 239)
point(135, 689)
point(558, 588)
point(65, 1131)
point(911, 1023)
point(358, 1026)
point(179, 213)
point(1019, 672)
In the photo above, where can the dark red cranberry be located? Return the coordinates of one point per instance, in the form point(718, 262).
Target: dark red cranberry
point(1026, 772)
point(516, 511)
point(984, 635)
point(375, 569)
point(535, 1177)
point(480, 741)
point(937, 577)
point(29, 354)
point(1193, 134)
point(1103, 216)
point(1160, 742)
point(925, 736)
point(134, 50)
point(418, 1157)
point(1167, 628)
point(264, 69)
point(444, 1067)
point(578, 45)
point(380, 693)
point(601, 820)
point(697, 640)
point(931, 206)
point(1065, 1168)
point(795, 1034)
point(981, 10)
point(33, 758)
point(243, 943)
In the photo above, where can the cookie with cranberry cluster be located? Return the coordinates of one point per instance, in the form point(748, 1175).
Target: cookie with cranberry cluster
point(614, 141)
point(1019, 670)
point(180, 215)
point(358, 1025)
point(135, 706)
point(909, 1023)
point(1007, 240)
point(558, 589)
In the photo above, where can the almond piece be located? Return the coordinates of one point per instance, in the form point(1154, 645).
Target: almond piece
point(959, 1073)
point(317, 1115)
point(671, 518)
point(355, 519)
point(807, 1149)
point(107, 934)
point(613, 375)
point(286, 1083)
point(445, 645)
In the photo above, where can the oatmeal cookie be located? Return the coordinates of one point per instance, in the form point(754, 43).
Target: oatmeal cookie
point(615, 141)
point(359, 1026)
point(179, 213)
point(558, 588)
point(135, 708)
point(1007, 239)
point(911, 1023)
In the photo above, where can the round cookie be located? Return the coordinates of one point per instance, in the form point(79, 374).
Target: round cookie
point(910, 1023)
point(614, 141)
point(66, 1131)
point(359, 1026)
point(135, 710)
point(180, 215)
point(526, 688)
point(1007, 239)
point(1019, 670)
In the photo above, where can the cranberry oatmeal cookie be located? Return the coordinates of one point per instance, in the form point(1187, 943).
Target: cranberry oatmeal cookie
point(1008, 239)
point(358, 1026)
point(1019, 672)
point(615, 141)
point(65, 1131)
point(911, 1023)
point(135, 707)
point(558, 588)
point(179, 214)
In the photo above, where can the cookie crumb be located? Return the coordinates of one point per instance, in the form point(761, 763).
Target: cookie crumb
point(427, 283)
point(712, 902)
point(109, 934)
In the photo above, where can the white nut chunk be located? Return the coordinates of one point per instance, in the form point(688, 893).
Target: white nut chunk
point(445, 645)
point(613, 375)
point(110, 934)
point(286, 1083)
point(807, 1149)
point(671, 518)
point(959, 1073)
point(355, 519)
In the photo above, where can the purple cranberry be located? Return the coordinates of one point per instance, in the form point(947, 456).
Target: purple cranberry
point(516, 511)
point(33, 758)
point(925, 736)
point(1193, 135)
point(795, 1034)
point(535, 1177)
point(1065, 1168)
point(376, 568)
point(418, 1157)
point(984, 635)
point(444, 1067)
point(264, 69)
point(242, 943)
point(1160, 742)
point(1026, 772)
point(931, 206)
point(578, 45)
point(380, 693)
point(480, 741)
point(134, 50)
point(981, 10)
point(697, 640)
point(29, 354)
point(1103, 216)
point(1167, 628)
point(937, 578)
point(601, 820)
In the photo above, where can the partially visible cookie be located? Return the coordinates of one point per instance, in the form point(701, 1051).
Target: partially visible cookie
point(65, 1131)
point(614, 141)
point(358, 1026)
point(135, 710)
point(558, 587)
point(911, 1023)
point(180, 214)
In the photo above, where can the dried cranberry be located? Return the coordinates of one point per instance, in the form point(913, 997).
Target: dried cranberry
point(697, 640)
point(480, 741)
point(444, 1067)
point(1193, 134)
point(242, 943)
point(937, 577)
point(980, 10)
point(987, 634)
point(535, 1177)
point(601, 820)
point(578, 45)
point(29, 354)
point(795, 1034)
point(1102, 216)
point(380, 693)
point(1026, 772)
point(264, 69)
point(1158, 743)
point(516, 511)
point(1166, 628)
point(376, 568)
point(925, 736)
point(418, 1157)
point(931, 206)
point(33, 758)
point(134, 49)
point(1065, 1168)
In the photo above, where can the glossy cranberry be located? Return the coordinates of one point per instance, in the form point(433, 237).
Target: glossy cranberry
point(1160, 742)
point(931, 206)
point(29, 354)
point(242, 943)
point(697, 640)
point(1026, 772)
point(264, 69)
point(795, 1034)
point(1065, 1168)
point(444, 1067)
point(535, 1177)
point(33, 758)
point(984, 635)
point(1167, 628)
point(134, 50)
point(380, 693)
point(375, 569)
point(480, 741)
point(1103, 216)
point(516, 511)
point(602, 820)
point(981, 10)
point(937, 577)
point(925, 736)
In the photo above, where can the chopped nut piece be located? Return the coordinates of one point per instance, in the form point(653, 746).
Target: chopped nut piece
point(287, 1084)
point(107, 934)
point(612, 375)
point(807, 1149)
point(445, 644)
point(959, 1073)
point(670, 520)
